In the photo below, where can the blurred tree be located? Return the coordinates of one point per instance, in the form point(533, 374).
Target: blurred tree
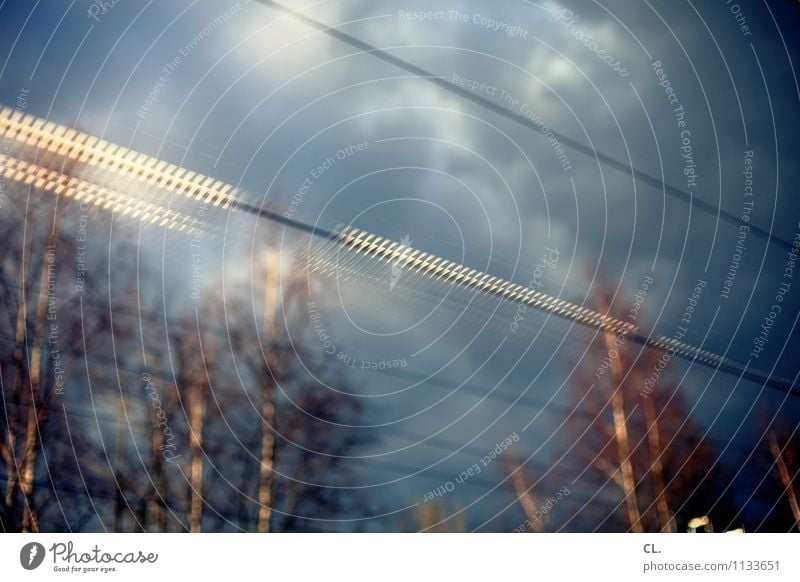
point(44, 337)
point(121, 412)
point(634, 431)
point(307, 423)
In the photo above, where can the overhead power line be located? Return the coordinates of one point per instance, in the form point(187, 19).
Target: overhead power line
point(162, 182)
point(570, 142)
point(85, 192)
point(407, 258)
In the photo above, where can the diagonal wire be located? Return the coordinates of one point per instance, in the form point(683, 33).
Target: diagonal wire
point(147, 171)
point(572, 143)
point(406, 257)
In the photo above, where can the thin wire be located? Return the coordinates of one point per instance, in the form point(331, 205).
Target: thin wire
point(574, 144)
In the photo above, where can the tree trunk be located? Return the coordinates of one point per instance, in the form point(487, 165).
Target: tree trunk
point(667, 523)
point(158, 504)
point(30, 519)
point(268, 407)
point(785, 477)
point(267, 456)
point(20, 351)
point(621, 430)
point(197, 414)
point(527, 500)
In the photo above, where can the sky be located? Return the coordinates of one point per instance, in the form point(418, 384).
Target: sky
point(701, 95)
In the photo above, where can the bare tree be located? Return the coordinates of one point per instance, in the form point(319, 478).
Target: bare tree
point(40, 350)
point(303, 425)
point(633, 428)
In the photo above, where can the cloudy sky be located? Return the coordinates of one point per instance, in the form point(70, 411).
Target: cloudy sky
point(305, 124)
